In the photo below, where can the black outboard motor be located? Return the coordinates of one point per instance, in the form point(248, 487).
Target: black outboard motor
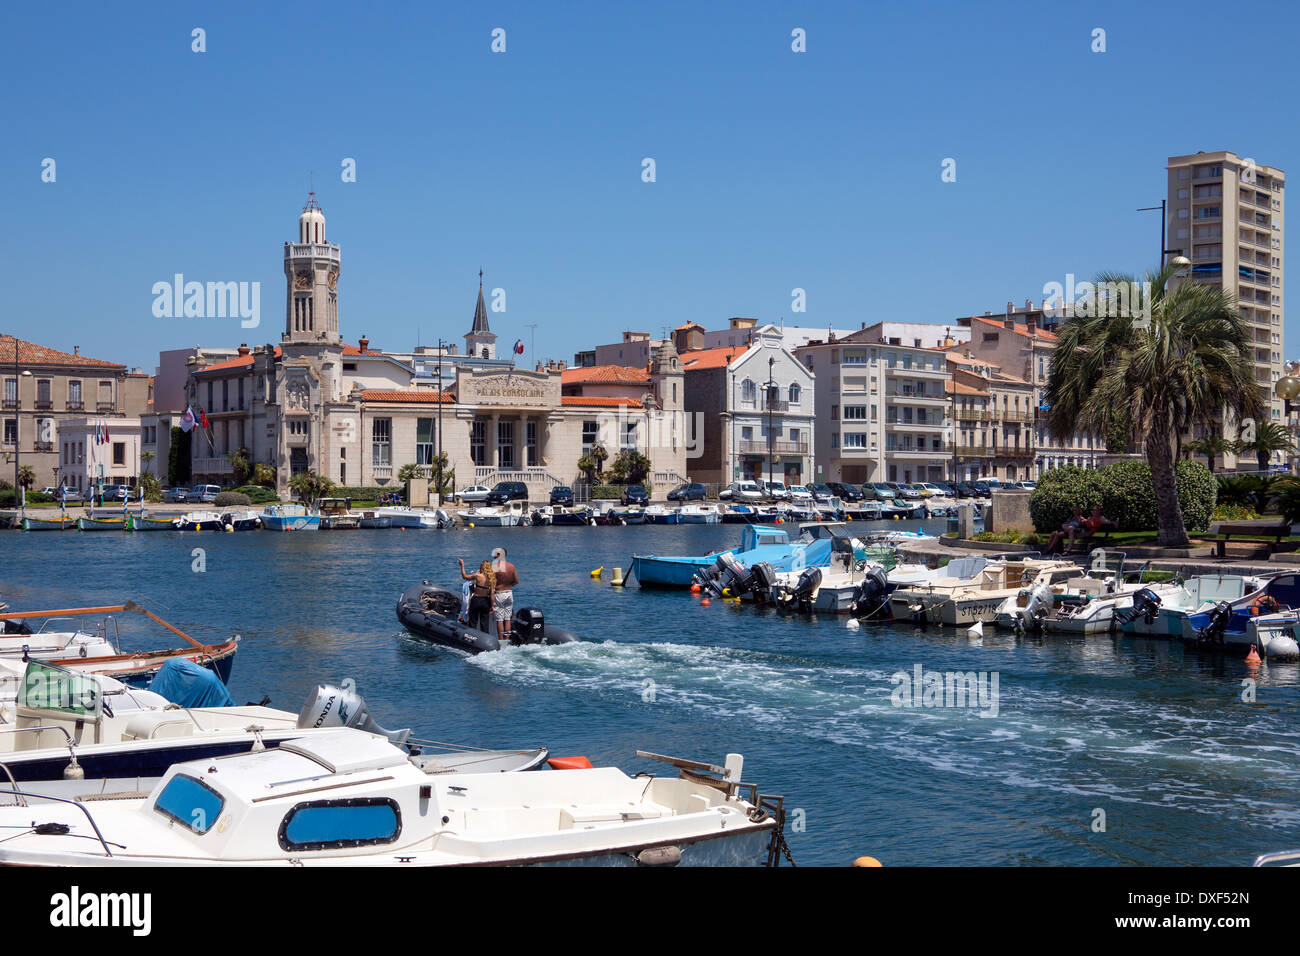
point(528, 626)
point(762, 579)
point(869, 595)
point(801, 595)
point(728, 576)
point(1146, 604)
point(1218, 623)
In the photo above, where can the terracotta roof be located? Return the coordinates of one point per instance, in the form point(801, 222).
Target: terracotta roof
point(1019, 328)
point(354, 350)
point(689, 325)
point(963, 360)
point(29, 353)
point(712, 358)
point(414, 396)
point(605, 375)
point(594, 401)
point(241, 361)
point(950, 387)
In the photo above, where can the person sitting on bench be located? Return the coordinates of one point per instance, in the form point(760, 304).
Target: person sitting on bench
point(1094, 523)
point(1072, 528)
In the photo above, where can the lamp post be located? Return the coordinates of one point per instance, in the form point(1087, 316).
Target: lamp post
point(18, 426)
point(438, 446)
point(1287, 388)
point(771, 362)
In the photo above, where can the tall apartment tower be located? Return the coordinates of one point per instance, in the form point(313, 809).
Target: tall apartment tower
point(1226, 216)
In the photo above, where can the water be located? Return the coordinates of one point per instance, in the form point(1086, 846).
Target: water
point(1158, 739)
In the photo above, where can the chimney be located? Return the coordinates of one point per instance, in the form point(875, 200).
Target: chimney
point(76, 350)
point(243, 349)
point(1029, 305)
point(1031, 322)
point(364, 343)
point(864, 325)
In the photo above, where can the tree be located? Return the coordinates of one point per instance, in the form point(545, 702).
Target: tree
point(442, 481)
point(264, 475)
point(146, 459)
point(26, 477)
point(310, 487)
point(593, 462)
point(1189, 359)
point(1211, 446)
point(240, 466)
point(1269, 437)
point(630, 467)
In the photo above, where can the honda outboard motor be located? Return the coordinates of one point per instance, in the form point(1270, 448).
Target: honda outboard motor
point(528, 626)
point(869, 595)
point(332, 706)
point(1218, 623)
point(1146, 604)
point(1038, 603)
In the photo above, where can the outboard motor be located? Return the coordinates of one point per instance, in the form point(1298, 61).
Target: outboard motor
point(1146, 604)
point(801, 595)
point(728, 575)
point(332, 706)
point(1038, 601)
point(528, 626)
point(1218, 623)
point(869, 595)
point(762, 580)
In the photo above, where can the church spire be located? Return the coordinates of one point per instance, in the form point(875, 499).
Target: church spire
point(480, 310)
point(480, 341)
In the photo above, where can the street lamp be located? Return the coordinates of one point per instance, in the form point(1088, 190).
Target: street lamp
point(1287, 388)
point(770, 402)
point(18, 423)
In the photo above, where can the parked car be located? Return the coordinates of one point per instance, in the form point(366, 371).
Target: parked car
point(1026, 485)
point(981, 488)
point(885, 490)
point(905, 491)
point(800, 493)
point(844, 492)
point(692, 491)
point(963, 489)
point(742, 491)
point(562, 495)
point(474, 494)
point(821, 491)
point(204, 493)
point(504, 491)
point(774, 489)
point(946, 488)
point(869, 492)
point(634, 495)
point(176, 495)
point(115, 492)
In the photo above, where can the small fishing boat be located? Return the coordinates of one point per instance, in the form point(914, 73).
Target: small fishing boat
point(571, 517)
point(1080, 605)
point(758, 544)
point(137, 522)
point(103, 524)
point(400, 516)
point(739, 514)
point(200, 520)
point(973, 589)
point(433, 613)
point(370, 518)
point(348, 798)
point(336, 515)
point(49, 524)
point(659, 514)
point(700, 514)
point(289, 517)
point(245, 520)
point(633, 515)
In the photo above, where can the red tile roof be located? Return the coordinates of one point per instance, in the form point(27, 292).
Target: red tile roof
point(354, 350)
point(593, 401)
point(414, 396)
point(242, 361)
point(605, 375)
point(29, 353)
point(1019, 328)
point(712, 358)
point(961, 389)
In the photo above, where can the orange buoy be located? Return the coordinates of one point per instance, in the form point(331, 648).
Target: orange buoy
point(695, 589)
point(1253, 656)
point(705, 603)
point(569, 763)
point(867, 861)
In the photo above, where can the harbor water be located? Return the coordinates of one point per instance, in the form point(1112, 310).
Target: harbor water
point(1096, 751)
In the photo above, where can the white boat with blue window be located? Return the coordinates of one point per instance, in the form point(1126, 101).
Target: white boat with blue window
point(289, 517)
point(758, 543)
point(349, 798)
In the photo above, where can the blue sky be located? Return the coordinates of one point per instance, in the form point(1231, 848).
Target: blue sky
point(775, 170)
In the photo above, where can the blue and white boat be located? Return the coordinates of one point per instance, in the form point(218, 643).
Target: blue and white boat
point(758, 543)
point(659, 514)
point(1222, 610)
point(289, 518)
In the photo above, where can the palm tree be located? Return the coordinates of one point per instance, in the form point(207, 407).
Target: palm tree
point(408, 473)
point(146, 458)
point(1269, 437)
point(26, 477)
point(1188, 360)
point(310, 487)
point(1211, 446)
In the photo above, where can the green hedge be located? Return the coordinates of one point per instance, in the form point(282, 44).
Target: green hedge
point(258, 495)
point(231, 499)
point(603, 492)
point(33, 498)
point(1124, 491)
point(359, 493)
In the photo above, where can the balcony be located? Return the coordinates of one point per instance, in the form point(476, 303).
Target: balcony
point(75, 406)
point(974, 451)
point(45, 446)
point(930, 374)
point(44, 404)
point(1012, 451)
point(942, 452)
point(212, 466)
point(927, 397)
point(104, 406)
point(314, 250)
point(778, 447)
point(924, 426)
point(11, 403)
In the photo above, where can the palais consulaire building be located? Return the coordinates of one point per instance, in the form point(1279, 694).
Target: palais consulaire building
point(357, 414)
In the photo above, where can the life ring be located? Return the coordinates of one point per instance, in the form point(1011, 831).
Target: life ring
point(1264, 604)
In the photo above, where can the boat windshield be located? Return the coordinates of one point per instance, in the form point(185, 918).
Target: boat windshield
point(190, 802)
point(50, 688)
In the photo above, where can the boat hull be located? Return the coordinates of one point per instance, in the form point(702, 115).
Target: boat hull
point(291, 522)
point(48, 524)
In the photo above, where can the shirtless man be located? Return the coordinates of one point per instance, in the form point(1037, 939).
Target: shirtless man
point(503, 608)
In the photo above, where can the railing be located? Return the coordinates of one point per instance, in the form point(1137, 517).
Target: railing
point(44, 403)
point(487, 475)
point(908, 424)
point(212, 466)
point(11, 403)
point(777, 447)
point(916, 396)
point(44, 446)
point(316, 250)
point(381, 471)
point(775, 405)
point(75, 406)
point(662, 478)
point(104, 406)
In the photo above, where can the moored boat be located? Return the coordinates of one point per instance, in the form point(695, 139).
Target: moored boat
point(103, 524)
point(49, 524)
point(289, 517)
point(137, 522)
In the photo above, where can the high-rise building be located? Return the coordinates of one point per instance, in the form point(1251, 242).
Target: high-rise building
point(1225, 214)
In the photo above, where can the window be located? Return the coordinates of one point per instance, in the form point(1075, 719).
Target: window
point(530, 444)
point(225, 394)
point(191, 803)
point(628, 439)
point(381, 436)
point(794, 394)
point(74, 394)
point(835, 439)
point(119, 453)
point(333, 824)
point(854, 357)
point(505, 444)
point(855, 413)
point(11, 393)
point(478, 442)
point(241, 394)
point(590, 435)
point(43, 393)
point(855, 440)
point(746, 432)
point(11, 431)
point(209, 405)
point(748, 393)
point(424, 441)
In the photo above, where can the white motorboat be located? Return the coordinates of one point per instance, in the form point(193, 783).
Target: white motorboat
point(698, 514)
point(509, 515)
point(349, 798)
point(200, 520)
point(403, 517)
point(973, 589)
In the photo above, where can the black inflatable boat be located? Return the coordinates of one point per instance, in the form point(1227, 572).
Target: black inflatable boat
point(433, 613)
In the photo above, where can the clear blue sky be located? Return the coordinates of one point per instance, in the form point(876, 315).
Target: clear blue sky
point(775, 170)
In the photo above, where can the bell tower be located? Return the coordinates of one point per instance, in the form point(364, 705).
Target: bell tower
point(481, 341)
point(311, 274)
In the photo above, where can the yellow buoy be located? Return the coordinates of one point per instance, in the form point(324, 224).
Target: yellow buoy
point(616, 577)
point(726, 592)
point(598, 572)
point(471, 524)
point(867, 861)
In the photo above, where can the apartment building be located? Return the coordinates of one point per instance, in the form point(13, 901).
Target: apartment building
point(1226, 214)
point(882, 398)
point(994, 419)
point(753, 405)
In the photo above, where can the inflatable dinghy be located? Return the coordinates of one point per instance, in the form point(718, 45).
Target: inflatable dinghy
point(432, 613)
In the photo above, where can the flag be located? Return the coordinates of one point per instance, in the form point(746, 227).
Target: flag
point(519, 346)
point(106, 439)
point(203, 419)
point(188, 422)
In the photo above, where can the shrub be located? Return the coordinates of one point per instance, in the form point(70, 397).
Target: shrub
point(1125, 493)
point(258, 495)
point(8, 499)
point(606, 492)
point(230, 499)
point(1234, 512)
point(362, 493)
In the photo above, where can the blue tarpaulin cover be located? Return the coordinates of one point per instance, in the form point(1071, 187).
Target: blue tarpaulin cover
point(189, 685)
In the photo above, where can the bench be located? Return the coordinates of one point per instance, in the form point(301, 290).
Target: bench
point(1277, 530)
point(1087, 541)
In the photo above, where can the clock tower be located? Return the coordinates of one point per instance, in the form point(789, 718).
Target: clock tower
point(311, 273)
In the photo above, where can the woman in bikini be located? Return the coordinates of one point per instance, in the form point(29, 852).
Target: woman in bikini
point(482, 591)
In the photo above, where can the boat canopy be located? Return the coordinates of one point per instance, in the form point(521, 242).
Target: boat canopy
point(188, 684)
point(760, 534)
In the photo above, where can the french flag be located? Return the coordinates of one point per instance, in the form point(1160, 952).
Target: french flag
point(519, 346)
